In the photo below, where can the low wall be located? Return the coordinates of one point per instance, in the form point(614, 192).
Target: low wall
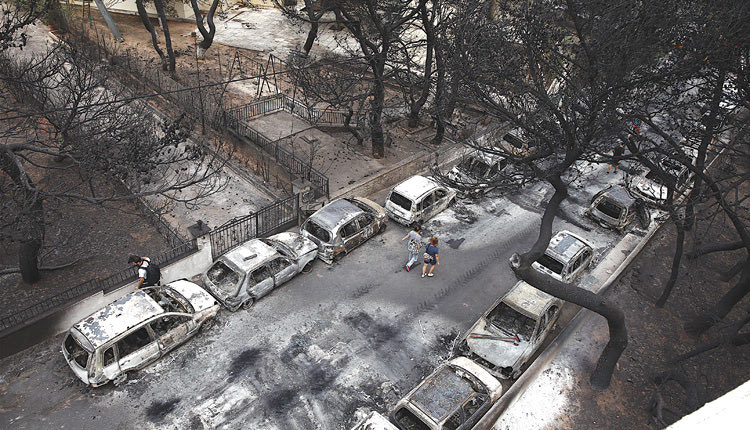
point(391, 176)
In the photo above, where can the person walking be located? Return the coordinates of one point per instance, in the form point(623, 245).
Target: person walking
point(148, 273)
point(616, 156)
point(431, 257)
point(414, 246)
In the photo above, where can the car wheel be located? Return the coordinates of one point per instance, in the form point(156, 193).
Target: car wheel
point(248, 303)
point(383, 227)
point(120, 379)
point(461, 349)
point(308, 267)
point(337, 257)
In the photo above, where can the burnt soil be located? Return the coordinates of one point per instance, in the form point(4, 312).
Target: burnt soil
point(656, 335)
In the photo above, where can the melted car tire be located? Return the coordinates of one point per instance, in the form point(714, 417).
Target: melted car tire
point(248, 303)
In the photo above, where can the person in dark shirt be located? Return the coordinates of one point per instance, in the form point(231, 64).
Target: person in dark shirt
point(434, 258)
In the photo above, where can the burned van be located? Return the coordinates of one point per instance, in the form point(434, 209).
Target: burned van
point(136, 330)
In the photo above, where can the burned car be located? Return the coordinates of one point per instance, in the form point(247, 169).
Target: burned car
point(253, 269)
point(652, 188)
point(566, 257)
point(418, 199)
point(511, 330)
point(456, 395)
point(615, 207)
point(342, 225)
point(478, 172)
point(136, 330)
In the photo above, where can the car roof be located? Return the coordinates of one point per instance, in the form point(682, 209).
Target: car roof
point(620, 195)
point(250, 255)
point(118, 317)
point(441, 394)
point(528, 300)
point(415, 187)
point(565, 245)
point(335, 213)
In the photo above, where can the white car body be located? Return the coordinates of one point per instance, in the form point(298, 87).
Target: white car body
point(566, 257)
point(253, 269)
point(511, 330)
point(136, 330)
point(457, 393)
point(417, 199)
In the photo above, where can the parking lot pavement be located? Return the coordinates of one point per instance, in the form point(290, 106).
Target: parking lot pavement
point(344, 338)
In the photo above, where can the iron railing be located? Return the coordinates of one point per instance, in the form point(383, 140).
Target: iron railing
point(274, 218)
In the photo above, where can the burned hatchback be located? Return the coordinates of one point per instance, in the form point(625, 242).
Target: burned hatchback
point(566, 257)
point(478, 172)
point(418, 199)
point(511, 330)
point(253, 269)
point(342, 225)
point(456, 395)
point(616, 208)
point(135, 331)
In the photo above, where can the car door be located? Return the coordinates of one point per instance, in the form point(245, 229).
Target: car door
point(441, 201)
point(282, 270)
point(110, 364)
point(262, 277)
point(366, 223)
point(350, 235)
point(171, 330)
point(425, 206)
point(137, 349)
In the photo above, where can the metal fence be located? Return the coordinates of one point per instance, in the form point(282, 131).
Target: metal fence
point(274, 218)
point(91, 286)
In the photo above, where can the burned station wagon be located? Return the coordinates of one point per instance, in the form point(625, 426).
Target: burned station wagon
point(253, 269)
point(418, 199)
point(455, 396)
point(566, 257)
point(477, 172)
point(511, 330)
point(616, 208)
point(342, 225)
point(136, 330)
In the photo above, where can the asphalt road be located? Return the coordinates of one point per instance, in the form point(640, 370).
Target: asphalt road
point(322, 349)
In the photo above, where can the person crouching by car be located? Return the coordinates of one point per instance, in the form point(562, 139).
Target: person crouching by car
point(148, 273)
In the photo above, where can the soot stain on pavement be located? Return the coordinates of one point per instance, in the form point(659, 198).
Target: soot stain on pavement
point(297, 345)
point(244, 360)
point(455, 243)
point(364, 323)
point(278, 402)
point(158, 409)
point(322, 376)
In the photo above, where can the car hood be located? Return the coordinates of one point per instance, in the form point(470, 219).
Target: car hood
point(501, 353)
point(464, 179)
point(298, 244)
point(651, 189)
point(199, 298)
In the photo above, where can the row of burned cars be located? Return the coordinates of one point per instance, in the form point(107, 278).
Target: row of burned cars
point(137, 329)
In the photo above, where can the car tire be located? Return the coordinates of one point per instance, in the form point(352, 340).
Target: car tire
point(248, 303)
point(383, 227)
point(308, 267)
point(120, 379)
point(460, 349)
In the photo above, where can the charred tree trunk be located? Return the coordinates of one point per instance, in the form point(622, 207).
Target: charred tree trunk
point(521, 265)
point(716, 247)
point(347, 125)
point(154, 39)
point(704, 321)
point(167, 38)
point(679, 245)
point(33, 213)
point(208, 35)
point(425, 83)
